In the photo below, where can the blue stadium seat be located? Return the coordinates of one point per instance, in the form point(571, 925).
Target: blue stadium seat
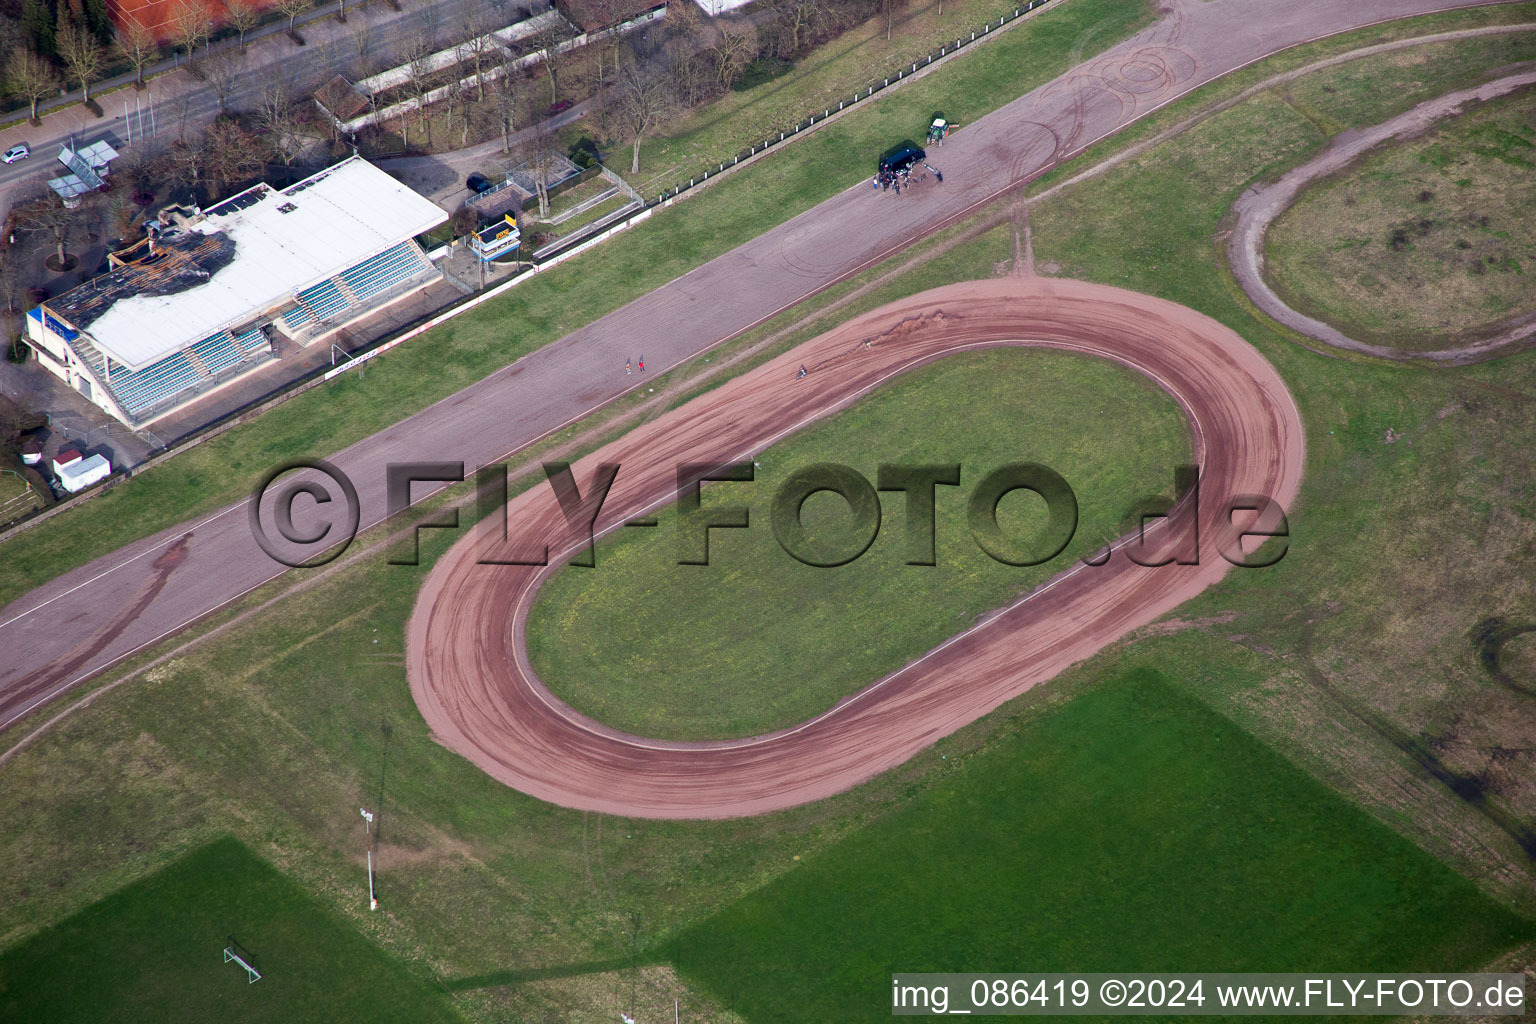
point(252, 341)
point(324, 299)
point(296, 317)
point(381, 272)
point(218, 352)
point(142, 389)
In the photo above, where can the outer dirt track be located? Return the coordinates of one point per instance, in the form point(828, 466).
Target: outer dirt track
point(466, 657)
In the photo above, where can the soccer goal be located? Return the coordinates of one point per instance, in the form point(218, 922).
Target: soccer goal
point(251, 973)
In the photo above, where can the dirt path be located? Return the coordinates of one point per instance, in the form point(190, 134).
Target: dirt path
point(1258, 208)
point(466, 658)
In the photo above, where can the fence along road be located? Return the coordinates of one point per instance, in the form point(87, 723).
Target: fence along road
point(89, 619)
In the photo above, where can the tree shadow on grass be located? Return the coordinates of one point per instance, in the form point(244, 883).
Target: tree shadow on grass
point(527, 974)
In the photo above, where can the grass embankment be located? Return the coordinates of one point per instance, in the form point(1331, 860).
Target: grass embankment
point(552, 305)
point(154, 951)
point(1131, 830)
point(1426, 243)
point(757, 641)
point(1354, 657)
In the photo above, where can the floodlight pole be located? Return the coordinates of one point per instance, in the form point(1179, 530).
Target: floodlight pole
point(373, 904)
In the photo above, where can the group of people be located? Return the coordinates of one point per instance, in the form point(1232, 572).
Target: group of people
point(628, 366)
point(889, 177)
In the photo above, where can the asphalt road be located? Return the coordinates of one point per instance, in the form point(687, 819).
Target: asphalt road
point(78, 625)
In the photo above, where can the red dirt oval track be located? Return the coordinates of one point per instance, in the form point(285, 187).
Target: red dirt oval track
point(466, 659)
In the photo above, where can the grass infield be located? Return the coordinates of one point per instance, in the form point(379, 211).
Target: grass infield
point(757, 641)
point(153, 951)
point(1130, 830)
point(1425, 243)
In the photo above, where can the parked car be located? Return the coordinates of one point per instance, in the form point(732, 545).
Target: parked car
point(17, 152)
point(901, 158)
point(561, 107)
point(477, 183)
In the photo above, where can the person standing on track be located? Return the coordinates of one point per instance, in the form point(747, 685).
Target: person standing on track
point(627, 369)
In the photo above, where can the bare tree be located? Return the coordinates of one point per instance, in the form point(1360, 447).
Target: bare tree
point(798, 17)
point(645, 97)
point(221, 70)
point(689, 69)
point(361, 39)
point(137, 43)
point(189, 26)
point(48, 216)
point(231, 155)
point(419, 73)
point(292, 9)
point(188, 160)
point(479, 49)
point(242, 15)
point(733, 51)
point(277, 122)
point(81, 53)
point(504, 101)
point(888, 8)
point(546, 41)
point(12, 268)
point(542, 147)
point(31, 76)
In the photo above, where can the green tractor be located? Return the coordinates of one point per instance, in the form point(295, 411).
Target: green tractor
point(939, 129)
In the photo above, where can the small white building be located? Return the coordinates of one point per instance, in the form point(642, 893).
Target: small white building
point(200, 302)
point(76, 473)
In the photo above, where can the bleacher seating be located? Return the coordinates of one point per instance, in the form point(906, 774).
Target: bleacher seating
point(218, 352)
point(252, 341)
point(388, 268)
point(324, 299)
point(140, 390)
point(296, 317)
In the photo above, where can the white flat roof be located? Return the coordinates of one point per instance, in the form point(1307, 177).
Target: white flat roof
point(81, 473)
point(285, 241)
point(714, 7)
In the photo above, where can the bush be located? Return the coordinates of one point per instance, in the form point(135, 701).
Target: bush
point(763, 69)
point(584, 154)
point(16, 352)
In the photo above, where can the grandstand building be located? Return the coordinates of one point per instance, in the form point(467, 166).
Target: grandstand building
point(206, 297)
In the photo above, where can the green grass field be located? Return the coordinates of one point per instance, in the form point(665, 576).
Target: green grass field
point(1130, 830)
point(154, 951)
point(1426, 243)
point(690, 652)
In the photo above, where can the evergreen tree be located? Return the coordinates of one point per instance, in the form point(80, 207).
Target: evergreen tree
point(99, 20)
point(37, 25)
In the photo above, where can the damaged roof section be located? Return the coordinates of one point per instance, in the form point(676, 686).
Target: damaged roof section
point(174, 263)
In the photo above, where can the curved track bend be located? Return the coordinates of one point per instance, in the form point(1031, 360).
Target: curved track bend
point(466, 657)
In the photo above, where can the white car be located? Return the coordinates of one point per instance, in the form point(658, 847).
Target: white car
point(15, 153)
